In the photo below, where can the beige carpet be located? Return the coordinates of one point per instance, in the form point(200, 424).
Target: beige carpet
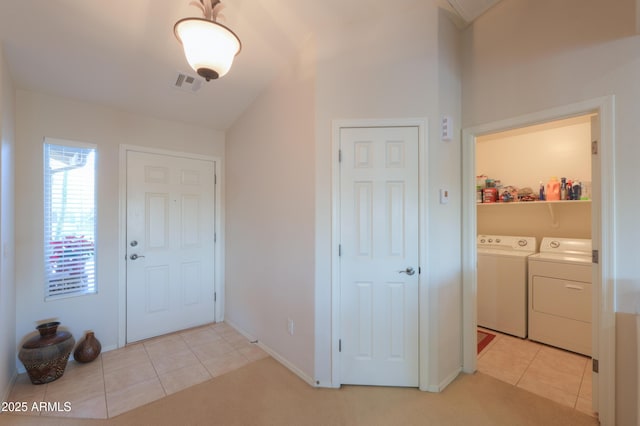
point(266, 393)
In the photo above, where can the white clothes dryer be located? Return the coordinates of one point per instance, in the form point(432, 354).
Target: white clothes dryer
point(560, 294)
point(502, 282)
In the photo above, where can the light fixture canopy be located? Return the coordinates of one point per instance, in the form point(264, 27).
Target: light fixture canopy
point(209, 46)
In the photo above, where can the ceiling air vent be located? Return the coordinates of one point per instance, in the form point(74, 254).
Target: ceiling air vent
point(187, 83)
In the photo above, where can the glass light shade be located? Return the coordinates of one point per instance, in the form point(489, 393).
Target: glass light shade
point(208, 46)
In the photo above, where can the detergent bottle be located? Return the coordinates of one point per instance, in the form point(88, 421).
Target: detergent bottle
point(553, 189)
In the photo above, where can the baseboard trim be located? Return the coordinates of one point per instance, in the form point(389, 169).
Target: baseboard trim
point(295, 370)
point(446, 382)
point(274, 354)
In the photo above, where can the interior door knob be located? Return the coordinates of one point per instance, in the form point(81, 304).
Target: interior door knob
point(134, 256)
point(408, 271)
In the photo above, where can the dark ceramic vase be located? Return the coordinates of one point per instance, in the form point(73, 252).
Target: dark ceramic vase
point(45, 356)
point(88, 348)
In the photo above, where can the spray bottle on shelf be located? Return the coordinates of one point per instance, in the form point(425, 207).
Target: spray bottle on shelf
point(541, 195)
point(577, 191)
point(563, 188)
point(569, 190)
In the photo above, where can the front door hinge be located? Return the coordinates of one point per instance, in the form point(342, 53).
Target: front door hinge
point(595, 366)
point(339, 156)
point(215, 296)
point(594, 147)
point(339, 250)
point(595, 256)
point(339, 345)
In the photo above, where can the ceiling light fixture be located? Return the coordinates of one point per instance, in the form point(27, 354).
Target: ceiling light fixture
point(209, 46)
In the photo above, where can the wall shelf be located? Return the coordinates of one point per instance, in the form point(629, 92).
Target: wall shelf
point(551, 205)
point(521, 203)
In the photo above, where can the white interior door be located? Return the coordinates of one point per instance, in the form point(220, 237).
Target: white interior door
point(379, 242)
point(170, 244)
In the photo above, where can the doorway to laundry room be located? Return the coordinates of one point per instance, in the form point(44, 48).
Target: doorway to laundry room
point(544, 181)
point(534, 258)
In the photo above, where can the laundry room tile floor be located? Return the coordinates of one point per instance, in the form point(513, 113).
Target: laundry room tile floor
point(553, 373)
point(124, 379)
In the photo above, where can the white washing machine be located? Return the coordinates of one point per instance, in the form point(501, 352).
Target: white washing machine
point(560, 294)
point(502, 282)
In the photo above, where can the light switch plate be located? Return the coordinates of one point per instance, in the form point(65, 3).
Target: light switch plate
point(444, 196)
point(447, 128)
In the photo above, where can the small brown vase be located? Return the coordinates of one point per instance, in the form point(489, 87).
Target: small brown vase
point(45, 356)
point(88, 348)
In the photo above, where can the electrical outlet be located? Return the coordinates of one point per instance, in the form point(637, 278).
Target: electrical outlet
point(290, 326)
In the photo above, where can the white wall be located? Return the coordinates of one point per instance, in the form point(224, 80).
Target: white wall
point(525, 56)
point(279, 181)
point(270, 216)
point(389, 68)
point(533, 219)
point(528, 156)
point(444, 229)
point(39, 115)
point(7, 235)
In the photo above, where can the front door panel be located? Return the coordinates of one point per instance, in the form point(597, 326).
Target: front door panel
point(170, 244)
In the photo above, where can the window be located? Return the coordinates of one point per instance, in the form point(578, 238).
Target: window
point(69, 219)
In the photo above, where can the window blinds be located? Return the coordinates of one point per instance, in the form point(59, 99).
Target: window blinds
point(69, 220)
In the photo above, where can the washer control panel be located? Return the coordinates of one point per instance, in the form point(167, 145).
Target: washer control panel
point(507, 242)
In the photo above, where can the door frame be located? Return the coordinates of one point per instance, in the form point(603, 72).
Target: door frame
point(602, 215)
point(423, 321)
point(122, 237)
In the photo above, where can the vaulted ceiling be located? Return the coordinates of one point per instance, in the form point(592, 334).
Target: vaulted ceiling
point(122, 53)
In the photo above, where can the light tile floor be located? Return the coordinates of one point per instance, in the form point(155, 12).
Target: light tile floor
point(123, 379)
point(553, 373)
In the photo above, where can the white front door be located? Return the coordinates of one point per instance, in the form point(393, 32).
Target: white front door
point(170, 243)
point(379, 243)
